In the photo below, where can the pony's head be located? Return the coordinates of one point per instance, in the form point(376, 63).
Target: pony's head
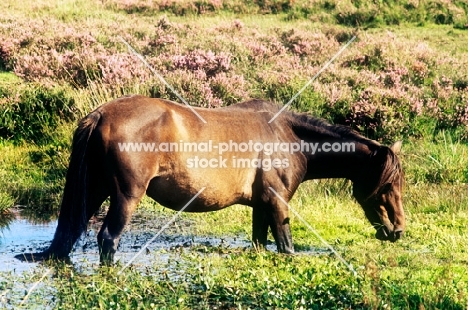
point(378, 190)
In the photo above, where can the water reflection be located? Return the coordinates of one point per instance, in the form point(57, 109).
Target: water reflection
point(37, 215)
point(20, 235)
point(6, 217)
point(30, 234)
point(31, 214)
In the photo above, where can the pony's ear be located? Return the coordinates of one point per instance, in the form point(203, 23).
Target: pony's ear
point(396, 147)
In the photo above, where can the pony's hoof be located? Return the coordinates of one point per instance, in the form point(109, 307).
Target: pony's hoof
point(107, 261)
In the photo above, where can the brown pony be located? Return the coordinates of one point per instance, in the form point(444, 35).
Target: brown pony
point(109, 159)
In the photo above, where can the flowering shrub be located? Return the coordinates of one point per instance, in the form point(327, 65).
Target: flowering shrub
point(34, 67)
point(6, 54)
point(383, 86)
point(205, 61)
point(122, 69)
point(194, 88)
point(306, 44)
point(230, 89)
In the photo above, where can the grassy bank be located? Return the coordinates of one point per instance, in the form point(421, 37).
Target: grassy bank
point(403, 78)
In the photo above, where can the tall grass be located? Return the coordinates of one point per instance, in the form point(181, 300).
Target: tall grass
point(349, 13)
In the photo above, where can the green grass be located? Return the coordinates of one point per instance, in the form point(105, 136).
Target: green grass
point(33, 176)
point(9, 78)
point(441, 160)
point(427, 269)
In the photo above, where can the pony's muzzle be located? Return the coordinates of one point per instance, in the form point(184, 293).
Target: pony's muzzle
point(397, 234)
point(384, 234)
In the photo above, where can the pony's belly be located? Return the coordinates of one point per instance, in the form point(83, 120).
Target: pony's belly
point(175, 194)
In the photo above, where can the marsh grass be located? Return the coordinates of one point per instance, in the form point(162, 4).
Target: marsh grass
point(33, 176)
point(440, 160)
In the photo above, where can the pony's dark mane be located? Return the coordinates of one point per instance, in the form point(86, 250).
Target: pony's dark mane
point(305, 122)
point(391, 170)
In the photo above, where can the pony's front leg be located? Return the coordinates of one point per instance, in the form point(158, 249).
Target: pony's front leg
point(279, 224)
point(119, 214)
point(260, 223)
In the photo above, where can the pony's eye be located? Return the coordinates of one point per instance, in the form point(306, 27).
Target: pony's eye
point(386, 188)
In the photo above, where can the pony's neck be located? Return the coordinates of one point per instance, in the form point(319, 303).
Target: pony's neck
point(347, 163)
point(335, 151)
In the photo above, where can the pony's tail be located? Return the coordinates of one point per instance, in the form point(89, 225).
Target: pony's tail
point(73, 218)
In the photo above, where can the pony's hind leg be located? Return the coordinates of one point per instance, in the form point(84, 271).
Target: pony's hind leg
point(73, 223)
point(119, 214)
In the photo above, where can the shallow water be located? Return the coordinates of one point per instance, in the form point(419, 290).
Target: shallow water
point(24, 236)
